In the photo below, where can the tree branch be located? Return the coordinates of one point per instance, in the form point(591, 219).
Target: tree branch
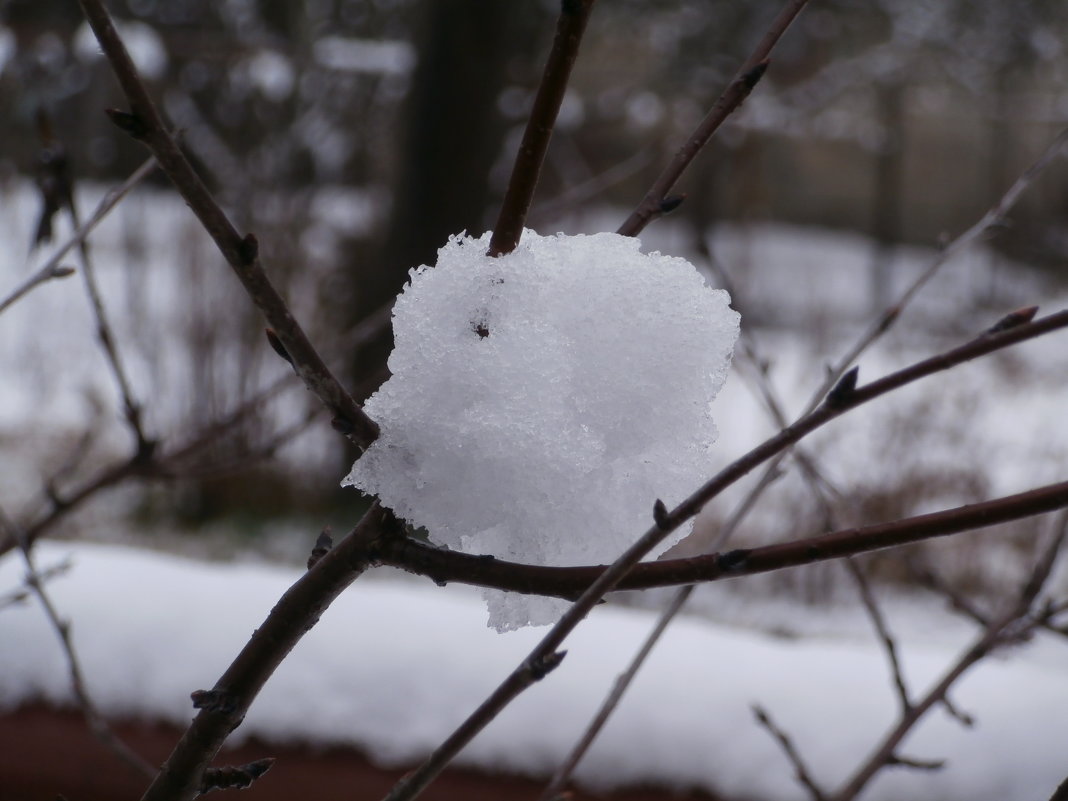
point(96, 722)
point(144, 123)
point(783, 739)
point(996, 633)
point(223, 707)
point(574, 14)
point(443, 566)
point(52, 268)
point(736, 92)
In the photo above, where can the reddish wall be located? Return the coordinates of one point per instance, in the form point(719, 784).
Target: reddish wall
point(44, 752)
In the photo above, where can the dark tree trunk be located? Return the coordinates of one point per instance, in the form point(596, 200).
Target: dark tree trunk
point(452, 137)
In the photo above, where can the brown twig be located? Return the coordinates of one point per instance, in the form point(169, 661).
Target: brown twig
point(736, 92)
point(783, 739)
point(611, 702)
point(178, 461)
point(574, 14)
point(1004, 628)
point(42, 276)
point(443, 566)
point(144, 123)
point(106, 338)
point(53, 268)
point(883, 631)
point(23, 593)
point(96, 722)
point(224, 706)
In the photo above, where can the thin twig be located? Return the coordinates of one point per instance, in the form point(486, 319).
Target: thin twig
point(619, 688)
point(144, 123)
point(1004, 628)
point(23, 593)
point(783, 739)
point(994, 216)
point(883, 630)
point(53, 268)
point(106, 338)
point(927, 577)
point(574, 14)
point(96, 722)
point(158, 464)
point(42, 276)
point(736, 92)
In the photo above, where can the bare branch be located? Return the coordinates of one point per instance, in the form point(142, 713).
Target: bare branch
point(106, 337)
point(53, 268)
point(42, 276)
point(881, 628)
point(1007, 627)
point(143, 122)
point(574, 14)
point(295, 613)
point(94, 720)
point(994, 216)
point(443, 566)
point(737, 91)
point(608, 705)
point(787, 745)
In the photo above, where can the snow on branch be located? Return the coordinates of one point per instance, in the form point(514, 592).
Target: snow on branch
point(542, 401)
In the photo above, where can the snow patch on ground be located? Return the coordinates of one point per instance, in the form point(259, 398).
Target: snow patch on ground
point(393, 666)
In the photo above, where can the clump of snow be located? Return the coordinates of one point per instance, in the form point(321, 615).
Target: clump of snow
point(542, 401)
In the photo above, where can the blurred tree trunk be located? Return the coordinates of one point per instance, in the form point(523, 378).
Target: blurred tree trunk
point(452, 136)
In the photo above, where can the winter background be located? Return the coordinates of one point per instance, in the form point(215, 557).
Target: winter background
point(803, 267)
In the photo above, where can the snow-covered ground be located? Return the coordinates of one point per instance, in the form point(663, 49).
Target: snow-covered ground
point(395, 664)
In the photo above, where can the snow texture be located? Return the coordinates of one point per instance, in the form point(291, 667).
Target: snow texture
point(542, 401)
point(396, 664)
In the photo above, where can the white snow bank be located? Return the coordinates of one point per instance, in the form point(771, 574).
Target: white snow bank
point(394, 666)
point(542, 401)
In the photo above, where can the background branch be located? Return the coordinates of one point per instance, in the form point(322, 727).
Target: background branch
point(1005, 627)
point(804, 777)
point(737, 91)
point(93, 719)
point(224, 706)
point(574, 14)
point(145, 124)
